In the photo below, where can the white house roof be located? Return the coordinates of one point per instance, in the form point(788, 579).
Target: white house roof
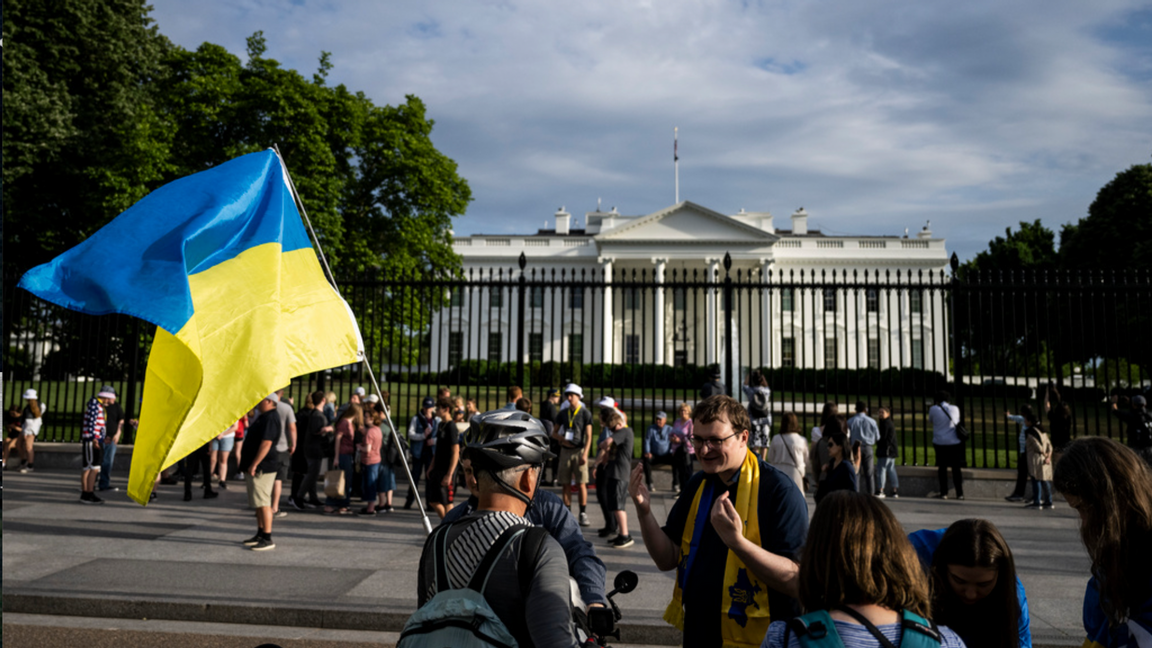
point(685, 222)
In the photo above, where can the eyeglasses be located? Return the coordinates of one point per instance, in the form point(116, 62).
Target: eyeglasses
point(713, 444)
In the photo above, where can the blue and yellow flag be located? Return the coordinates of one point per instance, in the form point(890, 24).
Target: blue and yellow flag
point(220, 262)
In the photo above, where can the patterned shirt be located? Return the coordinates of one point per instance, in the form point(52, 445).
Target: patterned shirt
point(92, 428)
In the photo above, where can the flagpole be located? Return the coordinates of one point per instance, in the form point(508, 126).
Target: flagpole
point(676, 159)
point(367, 364)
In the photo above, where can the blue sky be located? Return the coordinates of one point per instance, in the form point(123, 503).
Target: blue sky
point(875, 117)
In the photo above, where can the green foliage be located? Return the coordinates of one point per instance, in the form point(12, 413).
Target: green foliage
point(1032, 247)
point(1117, 234)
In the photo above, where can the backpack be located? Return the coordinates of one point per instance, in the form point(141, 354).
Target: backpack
point(462, 618)
point(758, 405)
point(818, 630)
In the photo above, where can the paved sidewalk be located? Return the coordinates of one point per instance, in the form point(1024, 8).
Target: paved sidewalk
point(181, 561)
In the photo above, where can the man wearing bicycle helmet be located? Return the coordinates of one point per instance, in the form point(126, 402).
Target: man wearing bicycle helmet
point(531, 595)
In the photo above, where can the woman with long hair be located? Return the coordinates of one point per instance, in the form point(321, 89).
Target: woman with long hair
point(1110, 486)
point(975, 590)
point(841, 469)
point(682, 441)
point(818, 457)
point(787, 451)
point(350, 421)
point(864, 590)
point(759, 398)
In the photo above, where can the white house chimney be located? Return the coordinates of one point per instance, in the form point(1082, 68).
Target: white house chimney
point(562, 220)
point(799, 222)
point(925, 233)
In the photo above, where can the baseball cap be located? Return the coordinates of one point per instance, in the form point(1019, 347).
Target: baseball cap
point(106, 392)
point(553, 392)
point(371, 398)
point(662, 414)
point(1139, 401)
point(428, 402)
point(31, 394)
point(359, 391)
point(573, 388)
point(274, 397)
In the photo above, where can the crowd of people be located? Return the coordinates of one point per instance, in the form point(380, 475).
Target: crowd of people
point(750, 567)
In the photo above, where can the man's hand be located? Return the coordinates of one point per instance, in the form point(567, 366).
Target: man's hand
point(727, 521)
point(647, 455)
point(446, 481)
point(252, 470)
point(639, 491)
point(583, 460)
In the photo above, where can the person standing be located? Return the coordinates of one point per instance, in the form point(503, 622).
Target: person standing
point(314, 437)
point(549, 410)
point(445, 459)
point(31, 422)
point(92, 430)
point(1139, 422)
point(573, 430)
point(260, 463)
point(421, 439)
point(219, 451)
point(113, 426)
point(682, 442)
point(285, 448)
point(1059, 420)
point(887, 452)
point(862, 429)
point(371, 458)
point(1039, 464)
point(841, 467)
point(346, 426)
point(944, 417)
point(617, 450)
point(1111, 488)
point(1020, 491)
point(759, 410)
point(713, 387)
point(732, 578)
point(787, 451)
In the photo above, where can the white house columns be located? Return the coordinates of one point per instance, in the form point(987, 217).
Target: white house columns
point(658, 319)
point(608, 313)
point(711, 344)
point(765, 314)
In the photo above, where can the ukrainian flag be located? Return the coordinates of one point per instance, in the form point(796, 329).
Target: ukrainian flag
point(220, 262)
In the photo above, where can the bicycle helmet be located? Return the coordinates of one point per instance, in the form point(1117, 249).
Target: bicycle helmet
point(503, 439)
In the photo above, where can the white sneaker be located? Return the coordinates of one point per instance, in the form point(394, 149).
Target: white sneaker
point(881, 495)
point(584, 520)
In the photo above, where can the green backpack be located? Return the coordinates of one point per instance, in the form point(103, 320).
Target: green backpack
point(818, 630)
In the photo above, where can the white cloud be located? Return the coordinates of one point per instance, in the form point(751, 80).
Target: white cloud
point(869, 114)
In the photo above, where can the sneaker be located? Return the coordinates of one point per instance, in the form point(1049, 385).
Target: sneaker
point(296, 505)
point(365, 511)
point(622, 541)
point(1031, 505)
point(251, 542)
point(1046, 506)
point(187, 496)
point(895, 495)
point(239, 476)
point(264, 544)
point(651, 488)
point(211, 494)
point(584, 520)
point(388, 508)
point(152, 496)
point(941, 496)
point(95, 500)
point(1015, 498)
point(605, 532)
point(24, 469)
point(960, 497)
point(881, 495)
point(85, 498)
point(114, 489)
point(223, 485)
point(280, 514)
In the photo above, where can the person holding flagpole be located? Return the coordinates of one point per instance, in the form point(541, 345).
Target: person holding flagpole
point(734, 536)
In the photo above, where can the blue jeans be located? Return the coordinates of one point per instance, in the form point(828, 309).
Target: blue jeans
point(105, 480)
point(346, 466)
point(378, 478)
point(886, 467)
point(1041, 487)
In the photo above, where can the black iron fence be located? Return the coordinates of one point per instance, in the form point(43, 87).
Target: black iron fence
point(651, 339)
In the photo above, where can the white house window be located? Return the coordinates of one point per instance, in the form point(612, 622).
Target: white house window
point(631, 298)
point(576, 347)
point(576, 298)
point(830, 300)
point(632, 349)
point(787, 300)
point(917, 353)
point(830, 353)
point(788, 352)
point(456, 298)
point(873, 353)
point(537, 297)
point(916, 301)
point(679, 299)
point(496, 297)
point(536, 347)
point(455, 347)
point(872, 300)
point(495, 346)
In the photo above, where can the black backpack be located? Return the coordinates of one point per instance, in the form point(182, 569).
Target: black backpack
point(758, 405)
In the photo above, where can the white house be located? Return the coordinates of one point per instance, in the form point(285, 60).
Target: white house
point(777, 321)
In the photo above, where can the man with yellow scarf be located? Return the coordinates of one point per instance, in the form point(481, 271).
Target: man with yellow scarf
point(733, 536)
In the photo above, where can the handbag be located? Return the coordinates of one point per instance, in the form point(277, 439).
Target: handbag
point(334, 483)
point(962, 432)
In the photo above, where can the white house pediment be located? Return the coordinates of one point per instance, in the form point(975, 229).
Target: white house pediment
point(686, 222)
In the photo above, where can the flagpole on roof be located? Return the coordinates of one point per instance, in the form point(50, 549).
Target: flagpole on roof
point(367, 364)
point(676, 159)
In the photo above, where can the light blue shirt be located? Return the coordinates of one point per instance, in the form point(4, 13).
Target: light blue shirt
point(1021, 441)
point(863, 428)
point(657, 440)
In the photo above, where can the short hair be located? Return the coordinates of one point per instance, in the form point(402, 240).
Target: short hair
point(884, 409)
point(942, 396)
point(524, 404)
point(612, 418)
point(861, 407)
point(514, 393)
point(1027, 411)
point(684, 406)
point(318, 397)
point(757, 379)
point(443, 392)
point(444, 404)
point(711, 409)
point(485, 481)
point(877, 566)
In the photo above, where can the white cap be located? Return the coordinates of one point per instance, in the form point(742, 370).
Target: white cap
point(573, 388)
point(274, 397)
point(607, 402)
point(31, 394)
point(371, 398)
point(359, 391)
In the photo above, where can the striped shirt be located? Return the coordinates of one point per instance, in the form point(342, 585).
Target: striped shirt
point(92, 428)
point(854, 635)
point(467, 550)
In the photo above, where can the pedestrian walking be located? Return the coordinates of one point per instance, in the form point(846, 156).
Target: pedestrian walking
point(219, 450)
point(445, 459)
point(1111, 488)
point(945, 419)
point(887, 452)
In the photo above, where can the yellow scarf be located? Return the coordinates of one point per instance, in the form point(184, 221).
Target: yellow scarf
point(744, 605)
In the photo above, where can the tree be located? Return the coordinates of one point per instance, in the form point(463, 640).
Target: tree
point(1032, 247)
point(1117, 233)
